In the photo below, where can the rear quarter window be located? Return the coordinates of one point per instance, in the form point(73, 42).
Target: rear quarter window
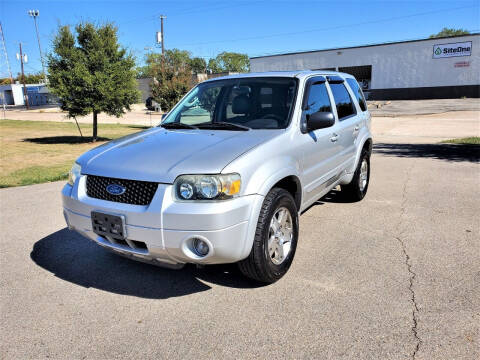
point(358, 93)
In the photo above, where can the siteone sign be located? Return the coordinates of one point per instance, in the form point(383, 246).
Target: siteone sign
point(451, 50)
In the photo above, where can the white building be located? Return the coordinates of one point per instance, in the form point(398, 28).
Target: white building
point(418, 69)
point(11, 94)
point(38, 94)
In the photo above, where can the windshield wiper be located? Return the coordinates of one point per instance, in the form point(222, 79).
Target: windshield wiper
point(223, 125)
point(177, 125)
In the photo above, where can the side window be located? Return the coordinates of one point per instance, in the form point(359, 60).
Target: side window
point(358, 93)
point(318, 100)
point(342, 100)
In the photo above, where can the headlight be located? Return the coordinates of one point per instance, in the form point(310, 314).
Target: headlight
point(74, 173)
point(207, 187)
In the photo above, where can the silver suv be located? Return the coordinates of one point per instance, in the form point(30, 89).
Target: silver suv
point(226, 174)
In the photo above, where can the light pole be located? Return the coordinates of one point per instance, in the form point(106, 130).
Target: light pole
point(34, 14)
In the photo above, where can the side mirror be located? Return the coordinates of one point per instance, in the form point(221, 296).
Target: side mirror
point(320, 120)
point(164, 115)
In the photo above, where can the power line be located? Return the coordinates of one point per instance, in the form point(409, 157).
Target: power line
point(215, 8)
point(187, 12)
point(328, 28)
point(37, 70)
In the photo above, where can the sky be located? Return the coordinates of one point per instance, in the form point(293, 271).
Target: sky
point(206, 28)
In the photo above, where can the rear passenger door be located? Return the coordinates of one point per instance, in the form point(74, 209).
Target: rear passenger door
point(349, 121)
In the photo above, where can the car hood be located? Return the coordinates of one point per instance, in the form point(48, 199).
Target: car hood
point(161, 155)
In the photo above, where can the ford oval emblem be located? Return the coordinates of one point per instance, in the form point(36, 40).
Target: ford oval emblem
point(115, 189)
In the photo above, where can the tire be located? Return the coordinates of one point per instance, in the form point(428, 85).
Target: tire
point(357, 189)
point(265, 263)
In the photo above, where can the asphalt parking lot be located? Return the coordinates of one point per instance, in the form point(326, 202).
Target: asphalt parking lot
point(395, 276)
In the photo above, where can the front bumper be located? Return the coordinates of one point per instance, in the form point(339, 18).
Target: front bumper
point(166, 227)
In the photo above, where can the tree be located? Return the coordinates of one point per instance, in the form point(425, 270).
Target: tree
point(229, 62)
point(142, 72)
point(178, 58)
point(172, 79)
point(152, 65)
point(31, 78)
point(198, 65)
point(214, 67)
point(91, 73)
point(449, 32)
point(175, 57)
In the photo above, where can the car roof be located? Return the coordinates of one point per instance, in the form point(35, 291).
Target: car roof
point(300, 74)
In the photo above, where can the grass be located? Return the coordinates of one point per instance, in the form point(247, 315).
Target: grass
point(474, 140)
point(33, 152)
point(36, 175)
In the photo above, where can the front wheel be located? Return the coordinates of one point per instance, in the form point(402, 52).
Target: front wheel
point(275, 238)
point(357, 189)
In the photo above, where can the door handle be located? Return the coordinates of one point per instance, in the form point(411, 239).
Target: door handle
point(334, 138)
point(357, 127)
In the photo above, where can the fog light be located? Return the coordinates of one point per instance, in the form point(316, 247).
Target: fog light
point(200, 247)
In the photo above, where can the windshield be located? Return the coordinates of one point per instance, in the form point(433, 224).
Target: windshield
point(255, 103)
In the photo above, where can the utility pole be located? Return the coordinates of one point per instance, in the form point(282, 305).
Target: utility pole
point(23, 76)
point(161, 29)
point(4, 50)
point(34, 14)
point(163, 39)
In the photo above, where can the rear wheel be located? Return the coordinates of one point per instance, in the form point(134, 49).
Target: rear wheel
point(275, 238)
point(357, 189)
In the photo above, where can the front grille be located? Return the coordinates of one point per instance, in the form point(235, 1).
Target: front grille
point(136, 192)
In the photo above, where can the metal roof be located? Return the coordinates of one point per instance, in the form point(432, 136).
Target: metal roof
point(363, 46)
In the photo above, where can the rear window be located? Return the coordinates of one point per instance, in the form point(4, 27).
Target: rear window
point(358, 93)
point(343, 101)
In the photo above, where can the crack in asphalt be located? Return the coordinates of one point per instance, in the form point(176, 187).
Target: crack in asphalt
point(408, 264)
point(414, 301)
